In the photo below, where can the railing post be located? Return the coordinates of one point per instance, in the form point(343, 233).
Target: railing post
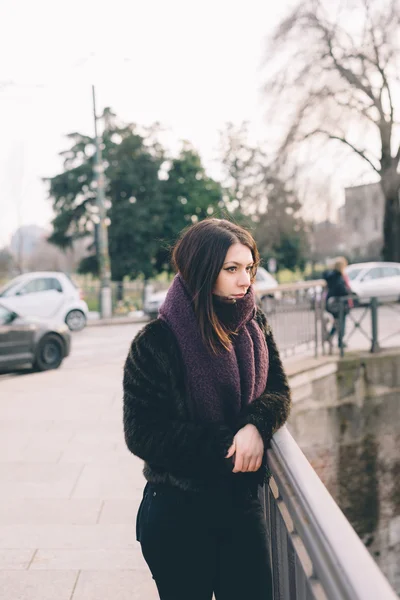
point(374, 325)
point(317, 316)
point(322, 322)
point(340, 326)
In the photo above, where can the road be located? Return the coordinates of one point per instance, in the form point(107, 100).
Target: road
point(96, 346)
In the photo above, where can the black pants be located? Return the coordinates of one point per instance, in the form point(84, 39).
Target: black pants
point(336, 327)
point(199, 543)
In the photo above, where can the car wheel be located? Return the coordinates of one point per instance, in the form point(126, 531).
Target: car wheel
point(75, 320)
point(50, 353)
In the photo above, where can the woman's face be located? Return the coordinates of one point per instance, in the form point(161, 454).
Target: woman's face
point(233, 280)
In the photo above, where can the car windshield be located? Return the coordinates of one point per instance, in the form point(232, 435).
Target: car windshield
point(71, 280)
point(6, 316)
point(8, 289)
point(353, 273)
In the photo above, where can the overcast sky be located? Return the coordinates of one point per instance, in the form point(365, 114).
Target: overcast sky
point(192, 66)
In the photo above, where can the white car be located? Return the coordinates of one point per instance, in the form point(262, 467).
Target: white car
point(153, 302)
point(49, 295)
point(375, 280)
point(264, 283)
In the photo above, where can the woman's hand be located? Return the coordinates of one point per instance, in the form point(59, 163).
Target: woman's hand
point(248, 448)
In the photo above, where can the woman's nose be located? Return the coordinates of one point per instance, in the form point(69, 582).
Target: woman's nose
point(244, 279)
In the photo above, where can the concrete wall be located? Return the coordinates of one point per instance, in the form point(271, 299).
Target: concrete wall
point(346, 417)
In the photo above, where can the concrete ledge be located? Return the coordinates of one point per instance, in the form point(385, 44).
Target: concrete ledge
point(302, 384)
point(302, 365)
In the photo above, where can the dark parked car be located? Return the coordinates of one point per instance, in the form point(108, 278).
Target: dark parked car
point(30, 341)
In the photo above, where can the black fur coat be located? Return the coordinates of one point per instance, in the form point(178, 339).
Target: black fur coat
point(157, 425)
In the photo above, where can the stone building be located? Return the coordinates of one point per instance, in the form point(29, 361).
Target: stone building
point(362, 219)
point(326, 239)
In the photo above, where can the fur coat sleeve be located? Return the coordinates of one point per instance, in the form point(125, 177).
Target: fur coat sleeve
point(154, 421)
point(271, 410)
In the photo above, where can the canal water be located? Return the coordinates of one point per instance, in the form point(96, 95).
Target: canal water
point(355, 449)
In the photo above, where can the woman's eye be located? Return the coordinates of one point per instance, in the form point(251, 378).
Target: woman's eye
point(234, 269)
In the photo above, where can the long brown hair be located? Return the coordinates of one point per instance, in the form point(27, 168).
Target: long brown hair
point(199, 255)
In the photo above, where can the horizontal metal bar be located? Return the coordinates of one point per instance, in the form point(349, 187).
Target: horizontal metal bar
point(292, 287)
point(341, 562)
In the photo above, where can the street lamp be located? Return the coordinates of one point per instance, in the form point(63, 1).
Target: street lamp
point(102, 246)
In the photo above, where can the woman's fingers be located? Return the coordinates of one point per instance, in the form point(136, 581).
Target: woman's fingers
point(253, 464)
point(258, 463)
point(238, 463)
point(249, 449)
point(231, 450)
point(246, 463)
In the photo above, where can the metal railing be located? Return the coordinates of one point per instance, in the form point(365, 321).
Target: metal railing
point(364, 324)
point(301, 322)
point(126, 297)
point(294, 313)
point(297, 315)
point(315, 553)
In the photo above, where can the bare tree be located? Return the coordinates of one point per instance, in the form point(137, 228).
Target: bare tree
point(16, 168)
point(338, 80)
point(6, 263)
point(263, 197)
point(47, 257)
point(244, 166)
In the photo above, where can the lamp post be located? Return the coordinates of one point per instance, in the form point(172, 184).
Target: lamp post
point(102, 246)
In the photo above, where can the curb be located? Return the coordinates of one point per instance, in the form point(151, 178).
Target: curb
point(117, 321)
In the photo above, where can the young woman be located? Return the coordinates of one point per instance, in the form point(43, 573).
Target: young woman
point(204, 391)
point(338, 286)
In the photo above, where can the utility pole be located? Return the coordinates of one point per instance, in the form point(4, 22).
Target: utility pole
point(102, 246)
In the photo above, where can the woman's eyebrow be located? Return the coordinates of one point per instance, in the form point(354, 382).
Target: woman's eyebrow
point(238, 264)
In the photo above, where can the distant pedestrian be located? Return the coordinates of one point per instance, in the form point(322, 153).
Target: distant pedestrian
point(204, 391)
point(338, 288)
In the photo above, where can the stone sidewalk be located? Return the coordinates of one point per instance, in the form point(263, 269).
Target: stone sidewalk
point(69, 490)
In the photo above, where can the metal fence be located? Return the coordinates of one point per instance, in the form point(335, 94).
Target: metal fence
point(126, 297)
point(315, 553)
point(373, 326)
point(301, 322)
point(294, 313)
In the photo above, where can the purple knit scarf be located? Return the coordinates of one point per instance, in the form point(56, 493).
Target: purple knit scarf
point(219, 386)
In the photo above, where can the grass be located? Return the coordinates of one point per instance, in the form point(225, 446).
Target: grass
point(286, 276)
point(93, 304)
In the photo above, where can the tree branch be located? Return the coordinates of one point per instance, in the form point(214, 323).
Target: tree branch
point(385, 84)
point(346, 73)
point(347, 143)
point(352, 105)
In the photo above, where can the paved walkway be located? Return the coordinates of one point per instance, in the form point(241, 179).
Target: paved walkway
point(69, 490)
